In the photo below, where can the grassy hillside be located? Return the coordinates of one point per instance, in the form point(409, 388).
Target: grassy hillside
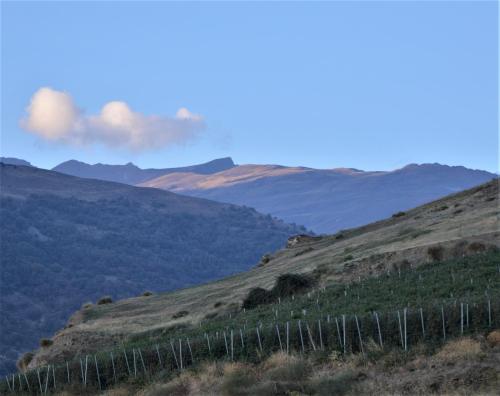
point(65, 241)
point(415, 243)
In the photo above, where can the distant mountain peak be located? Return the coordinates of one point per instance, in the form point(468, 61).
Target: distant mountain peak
point(14, 161)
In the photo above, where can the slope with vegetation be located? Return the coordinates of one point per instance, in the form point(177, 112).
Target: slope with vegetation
point(416, 259)
point(66, 240)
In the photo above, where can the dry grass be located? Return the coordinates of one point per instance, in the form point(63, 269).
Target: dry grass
point(461, 349)
point(494, 338)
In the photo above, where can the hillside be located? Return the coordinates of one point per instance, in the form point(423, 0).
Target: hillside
point(325, 200)
point(433, 240)
point(67, 240)
point(132, 174)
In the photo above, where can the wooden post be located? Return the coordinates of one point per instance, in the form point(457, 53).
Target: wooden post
point(320, 335)
point(338, 332)
point(67, 372)
point(190, 350)
point(81, 369)
point(175, 356)
point(27, 382)
point(232, 345)
point(343, 331)
point(400, 330)
point(287, 338)
point(422, 322)
point(444, 327)
point(359, 334)
point(126, 361)
point(113, 366)
point(158, 354)
point(40, 381)
point(242, 340)
point(406, 333)
point(489, 312)
point(53, 376)
point(180, 353)
point(8, 383)
point(279, 337)
point(97, 371)
point(258, 337)
point(208, 343)
point(301, 337)
point(142, 361)
point(462, 318)
point(47, 380)
point(379, 332)
point(225, 343)
point(135, 362)
point(86, 368)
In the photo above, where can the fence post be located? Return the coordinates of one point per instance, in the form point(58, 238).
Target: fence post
point(301, 337)
point(444, 327)
point(158, 354)
point(39, 380)
point(343, 332)
point(27, 382)
point(379, 332)
point(338, 332)
point(86, 368)
point(287, 337)
point(180, 351)
point(67, 372)
point(406, 333)
point(400, 330)
point(47, 380)
point(242, 341)
point(310, 337)
point(461, 318)
point(190, 350)
point(53, 376)
point(208, 343)
point(232, 345)
point(279, 337)
point(8, 383)
point(175, 355)
point(258, 337)
point(97, 371)
point(320, 335)
point(142, 361)
point(135, 362)
point(422, 322)
point(359, 334)
point(489, 312)
point(113, 366)
point(225, 343)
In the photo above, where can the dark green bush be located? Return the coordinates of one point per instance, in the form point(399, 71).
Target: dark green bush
point(46, 342)
point(105, 300)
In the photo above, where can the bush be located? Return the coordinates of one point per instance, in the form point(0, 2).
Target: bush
point(436, 253)
point(289, 284)
point(339, 384)
point(180, 314)
point(349, 257)
point(398, 214)
point(46, 342)
point(237, 379)
point(24, 361)
point(256, 297)
point(147, 293)
point(105, 300)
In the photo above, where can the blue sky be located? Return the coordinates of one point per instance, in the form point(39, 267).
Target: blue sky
point(370, 85)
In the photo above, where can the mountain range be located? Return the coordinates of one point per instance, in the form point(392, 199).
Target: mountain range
point(323, 200)
point(65, 240)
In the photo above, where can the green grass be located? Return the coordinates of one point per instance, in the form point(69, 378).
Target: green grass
point(468, 279)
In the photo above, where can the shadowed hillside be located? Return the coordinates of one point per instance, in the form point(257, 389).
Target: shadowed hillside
point(66, 240)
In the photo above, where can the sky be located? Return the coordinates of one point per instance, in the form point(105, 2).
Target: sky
point(369, 85)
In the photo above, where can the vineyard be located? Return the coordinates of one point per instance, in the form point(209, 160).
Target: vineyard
point(429, 304)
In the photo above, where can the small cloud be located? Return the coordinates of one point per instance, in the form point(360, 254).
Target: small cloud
point(53, 116)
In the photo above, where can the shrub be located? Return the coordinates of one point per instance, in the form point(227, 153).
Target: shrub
point(237, 379)
point(256, 297)
point(87, 305)
point(476, 247)
point(338, 384)
point(147, 293)
point(23, 362)
point(285, 368)
point(289, 284)
point(46, 342)
point(180, 314)
point(398, 214)
point(105, 300)
point(461, 349)
point(349, 257)
point(436, 253)
point(218, 304)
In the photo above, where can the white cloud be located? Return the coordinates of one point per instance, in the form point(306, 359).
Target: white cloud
point(53, 116)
